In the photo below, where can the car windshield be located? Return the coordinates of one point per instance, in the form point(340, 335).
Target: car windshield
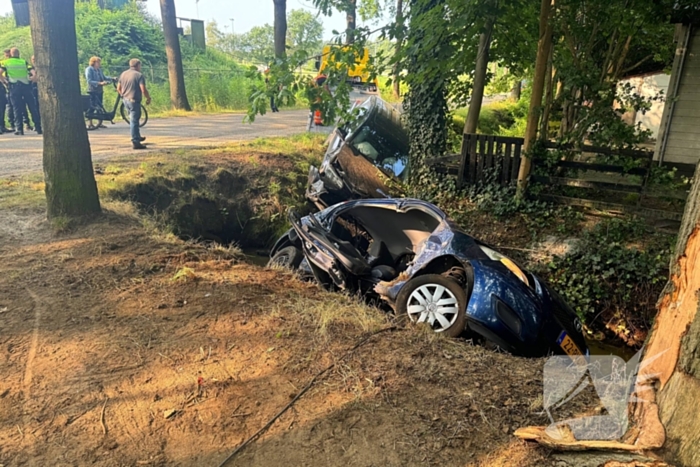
point(383, 140)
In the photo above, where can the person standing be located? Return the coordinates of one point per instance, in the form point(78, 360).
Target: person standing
point(96, 80)
point(34, 78)
point(18, 73)
point(132, 88)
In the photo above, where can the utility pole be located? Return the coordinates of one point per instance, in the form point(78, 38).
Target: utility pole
point(231, 25)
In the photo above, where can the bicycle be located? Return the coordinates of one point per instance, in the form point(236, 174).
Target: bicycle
point(99, 114)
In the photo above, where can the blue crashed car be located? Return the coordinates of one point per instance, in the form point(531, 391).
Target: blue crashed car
point(406, 253)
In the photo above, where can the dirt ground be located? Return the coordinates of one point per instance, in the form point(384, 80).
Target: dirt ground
point(122, 348)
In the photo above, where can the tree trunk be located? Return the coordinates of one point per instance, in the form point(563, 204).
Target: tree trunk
point(516, 91)
point(70, 183)
point(533, 118)
point(351, 21)
point(176, 74)
point(399, 43)
point(549, 97)
point(482, 63)
point(280, 28)
point(671, 362)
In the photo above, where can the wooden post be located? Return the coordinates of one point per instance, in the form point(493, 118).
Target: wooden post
point(543, 46)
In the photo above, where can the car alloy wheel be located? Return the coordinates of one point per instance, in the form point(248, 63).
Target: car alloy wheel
point(436, 300)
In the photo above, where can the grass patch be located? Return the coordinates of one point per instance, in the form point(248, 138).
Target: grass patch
point(25, 192)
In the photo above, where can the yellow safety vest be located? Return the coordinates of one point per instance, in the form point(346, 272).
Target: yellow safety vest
point(17, 70)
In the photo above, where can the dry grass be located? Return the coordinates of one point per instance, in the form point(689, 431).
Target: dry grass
point(25, 192)
point(333, 313)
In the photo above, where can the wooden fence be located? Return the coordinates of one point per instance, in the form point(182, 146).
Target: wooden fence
point(489, 158)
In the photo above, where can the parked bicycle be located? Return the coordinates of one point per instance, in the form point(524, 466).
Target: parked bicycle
point(95, 115)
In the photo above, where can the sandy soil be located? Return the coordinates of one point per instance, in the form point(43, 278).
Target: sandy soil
point(121, 348)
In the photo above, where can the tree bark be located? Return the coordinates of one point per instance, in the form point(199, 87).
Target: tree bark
point(70, 183)
point(516, 91)
point(543, 46)
point(280, 28)
point(397, 51)
point(351, 21)
point(482, 63)
point(176, 74)
point(549, 96)
point(670, 370)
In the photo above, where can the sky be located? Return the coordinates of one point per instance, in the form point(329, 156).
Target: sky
point(246, 13)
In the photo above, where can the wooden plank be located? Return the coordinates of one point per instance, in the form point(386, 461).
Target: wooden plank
point(504, 139)
point(505, 173)
point(634, 153)
point(463, 160)
point(580, 183)
point(480, 161)
point(490, 149)
point(515, 165)
point(472, 158)
point(614, 207)
point(686, 126)
point(692, 112)
point(676, 141)
point(689, 93)
point(681, 156)
point(602, 168)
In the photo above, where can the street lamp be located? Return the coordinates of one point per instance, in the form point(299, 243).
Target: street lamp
point(231, 25)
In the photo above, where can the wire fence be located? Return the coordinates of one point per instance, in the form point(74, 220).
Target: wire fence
point(208, 89)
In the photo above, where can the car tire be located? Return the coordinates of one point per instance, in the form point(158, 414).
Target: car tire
point(449, 318)
point(286, 258)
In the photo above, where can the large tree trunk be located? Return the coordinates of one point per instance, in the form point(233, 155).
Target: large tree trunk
point(351, 21)
point(482, 63)
point(663, 408)
point(176, 74)
point(280, 28)
point(70, 183)
point(399, 43)
point(671, 363)
point(533, 118)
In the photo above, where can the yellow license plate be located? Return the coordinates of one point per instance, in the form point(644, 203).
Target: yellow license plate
point(568, 344)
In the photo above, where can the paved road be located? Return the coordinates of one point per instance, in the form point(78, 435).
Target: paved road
point(22, 154)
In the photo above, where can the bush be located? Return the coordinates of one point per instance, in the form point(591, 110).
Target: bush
point(618, 267)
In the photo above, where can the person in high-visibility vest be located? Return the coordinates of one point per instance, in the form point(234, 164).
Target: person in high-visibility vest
point(9, 109)
point(319, 81)
point(17, 74)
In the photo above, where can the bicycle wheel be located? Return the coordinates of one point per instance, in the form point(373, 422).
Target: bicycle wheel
point(93, 123)
point(90, 117)
point(142, 121)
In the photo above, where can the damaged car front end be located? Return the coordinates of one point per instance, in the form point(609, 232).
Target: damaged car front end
point(365, 158)
point(408, 255)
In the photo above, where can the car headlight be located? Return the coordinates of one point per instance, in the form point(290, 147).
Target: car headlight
point(507, 262)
